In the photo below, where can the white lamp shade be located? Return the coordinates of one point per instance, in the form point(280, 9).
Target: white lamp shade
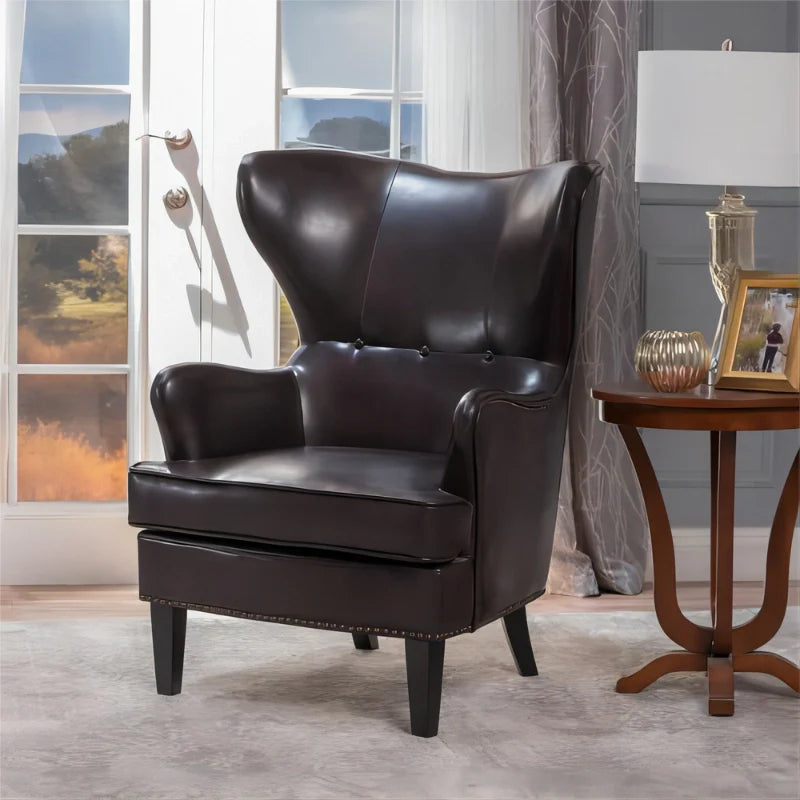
point(717, 117)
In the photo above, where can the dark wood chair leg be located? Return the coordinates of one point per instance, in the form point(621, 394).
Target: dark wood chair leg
point(519, 640)
point(365, 641)
point(168, 624)
point(424, 664)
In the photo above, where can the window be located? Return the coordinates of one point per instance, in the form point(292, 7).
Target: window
point(351, 78)
point(71, 358)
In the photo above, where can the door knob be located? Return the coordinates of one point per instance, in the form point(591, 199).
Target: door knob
point(177, 197)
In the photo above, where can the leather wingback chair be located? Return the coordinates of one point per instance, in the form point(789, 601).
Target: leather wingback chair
point(399, 477)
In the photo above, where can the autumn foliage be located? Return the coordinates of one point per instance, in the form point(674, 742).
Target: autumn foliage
point(52, 465)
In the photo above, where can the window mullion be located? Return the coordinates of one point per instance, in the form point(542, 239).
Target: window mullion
point(394, 125)
point(28, 229)
point(12, 417)
point(72, 369)
point(336, 93)
point(63, 88)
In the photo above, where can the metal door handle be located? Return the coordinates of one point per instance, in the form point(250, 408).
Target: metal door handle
point(175, 141)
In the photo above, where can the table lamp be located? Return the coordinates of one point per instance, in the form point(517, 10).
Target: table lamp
point(725, 117)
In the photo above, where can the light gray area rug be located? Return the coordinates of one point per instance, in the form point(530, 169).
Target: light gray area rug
point(269, 711)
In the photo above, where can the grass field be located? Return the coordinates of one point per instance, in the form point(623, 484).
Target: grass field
point(71, 437)
point(80, 331)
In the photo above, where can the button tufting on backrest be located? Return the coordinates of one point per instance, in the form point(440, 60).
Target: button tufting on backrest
point(424, 350)
point(395, 398)
point(489, 356)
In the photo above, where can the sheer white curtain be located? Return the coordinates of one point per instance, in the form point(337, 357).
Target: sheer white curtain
point(473, 80)
point(12, 24)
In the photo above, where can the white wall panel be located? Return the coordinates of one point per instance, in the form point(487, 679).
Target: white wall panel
point(240, 106)
point(174, 238)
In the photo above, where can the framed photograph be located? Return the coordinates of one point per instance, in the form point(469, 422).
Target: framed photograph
point(760, 347)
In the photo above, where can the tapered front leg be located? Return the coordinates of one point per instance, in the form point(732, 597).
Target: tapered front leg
point(519, 640)
point(168, 625)
point(365, 641)
point(424, 665)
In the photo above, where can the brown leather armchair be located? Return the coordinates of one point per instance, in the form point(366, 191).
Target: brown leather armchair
point(400, 476)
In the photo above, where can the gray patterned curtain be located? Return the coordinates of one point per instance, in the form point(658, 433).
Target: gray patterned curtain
point(582, 63)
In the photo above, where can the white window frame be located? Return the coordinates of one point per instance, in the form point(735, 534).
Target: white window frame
point(135, 367)
point(395, 95)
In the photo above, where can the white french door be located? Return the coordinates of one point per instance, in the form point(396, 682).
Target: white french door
point(212, 72)
point(112, 285)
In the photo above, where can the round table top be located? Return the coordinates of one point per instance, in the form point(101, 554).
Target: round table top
point(636, 392)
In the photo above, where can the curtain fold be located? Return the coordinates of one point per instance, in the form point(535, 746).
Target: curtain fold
point(582, 76)
point(473, 86)
point(12, 26)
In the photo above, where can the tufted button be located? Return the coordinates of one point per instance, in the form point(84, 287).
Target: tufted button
point(358, 344)
point(424, 350)
point(489, 356)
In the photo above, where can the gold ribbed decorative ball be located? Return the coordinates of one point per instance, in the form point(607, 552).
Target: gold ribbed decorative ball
point(672, 361)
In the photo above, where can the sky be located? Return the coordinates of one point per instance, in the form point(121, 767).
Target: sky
point(351, 44)
point(75, 41)
point(45, 118)
point(65, 114)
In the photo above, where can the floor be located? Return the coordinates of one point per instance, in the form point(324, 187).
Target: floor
point(19, 603)
point(274, 711)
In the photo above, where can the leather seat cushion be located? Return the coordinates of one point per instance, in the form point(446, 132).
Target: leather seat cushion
point(383, 503)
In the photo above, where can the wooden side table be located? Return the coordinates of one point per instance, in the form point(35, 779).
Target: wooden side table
point(721, 650)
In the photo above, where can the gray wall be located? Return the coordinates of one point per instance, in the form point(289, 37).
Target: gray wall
point(674, 236)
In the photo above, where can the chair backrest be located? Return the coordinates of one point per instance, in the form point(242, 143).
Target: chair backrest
point(411, 285)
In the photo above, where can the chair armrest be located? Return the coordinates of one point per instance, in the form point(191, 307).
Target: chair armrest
point(211, 410)
point(461, 476)
point(505, 457)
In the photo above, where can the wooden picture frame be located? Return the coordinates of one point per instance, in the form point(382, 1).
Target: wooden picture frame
point(760, 347)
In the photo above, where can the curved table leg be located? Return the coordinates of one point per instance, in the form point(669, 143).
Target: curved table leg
point(695, 638)
point(769, 664)
point(676, 661)
point(765, 624)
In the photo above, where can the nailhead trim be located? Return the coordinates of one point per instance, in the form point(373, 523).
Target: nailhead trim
point(515, 606)
point(305, 623)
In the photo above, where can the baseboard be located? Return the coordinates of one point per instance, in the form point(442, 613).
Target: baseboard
point(749, 555)
point(74, 550)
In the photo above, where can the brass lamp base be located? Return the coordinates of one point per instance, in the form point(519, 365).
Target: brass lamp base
point(732, 226)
